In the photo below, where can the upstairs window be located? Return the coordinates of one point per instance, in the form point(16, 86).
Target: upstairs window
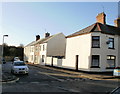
point(95, 42)
point(43, 47)
point(36, 48)
point(40, 47)
point(111, 43)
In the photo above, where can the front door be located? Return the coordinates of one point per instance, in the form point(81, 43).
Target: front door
point(77, 58)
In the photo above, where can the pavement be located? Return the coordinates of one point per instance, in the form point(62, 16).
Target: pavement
point(79, 74)
point(7, 77)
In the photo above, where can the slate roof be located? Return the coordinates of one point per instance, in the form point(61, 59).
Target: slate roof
point(44, 40)
point(97, 27)
point(30, 43)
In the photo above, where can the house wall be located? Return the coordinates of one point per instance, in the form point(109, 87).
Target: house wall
point(118, 65)
point(43, 52)
point(79, 45)
point(36, 53)
point(32, 54)
point(27, 53)
point(103, 51)
point(56, 45)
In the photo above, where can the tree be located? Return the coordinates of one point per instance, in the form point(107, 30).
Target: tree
point(6, 50)
point(13, 51)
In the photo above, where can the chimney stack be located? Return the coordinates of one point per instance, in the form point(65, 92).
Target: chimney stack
point(117, 22)
point(47, 35)
point(101, 18)
point(37, 37)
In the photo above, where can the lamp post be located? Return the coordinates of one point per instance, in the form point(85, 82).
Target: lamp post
point(3, 45)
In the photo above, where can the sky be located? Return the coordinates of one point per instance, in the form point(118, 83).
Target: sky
point(22, 21)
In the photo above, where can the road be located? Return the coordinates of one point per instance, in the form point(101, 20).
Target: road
point(48, 80)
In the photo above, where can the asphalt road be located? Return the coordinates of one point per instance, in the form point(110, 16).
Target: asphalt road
point(47, 80)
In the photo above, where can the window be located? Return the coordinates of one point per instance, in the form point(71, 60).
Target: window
point(111, 43)
point(36, 48)
point(35, 59)
point(32, 57)
point(110, 61)
point(32, 49)
point(95, 42)
point(43, 48)
point(40, 47)
point(95, 61)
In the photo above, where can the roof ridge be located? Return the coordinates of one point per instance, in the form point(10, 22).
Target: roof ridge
point(47, 38)
point(76, 33)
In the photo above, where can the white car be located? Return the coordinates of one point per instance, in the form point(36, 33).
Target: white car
point(19, 67)
point(16, 59)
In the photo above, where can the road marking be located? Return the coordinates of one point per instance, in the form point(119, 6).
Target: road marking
point(61, 80)
point(60, 74)
point(70, 90)
point(33, 83)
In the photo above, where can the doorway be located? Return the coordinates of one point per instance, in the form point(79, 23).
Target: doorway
point(77, 60)
point(52, 62)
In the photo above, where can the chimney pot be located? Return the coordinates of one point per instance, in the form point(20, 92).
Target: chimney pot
point(117, 22)
point(47, 35)
point(101, 18)
point(37, 37)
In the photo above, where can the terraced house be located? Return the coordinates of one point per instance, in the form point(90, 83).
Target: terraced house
point(95, 48)
point(50, 46)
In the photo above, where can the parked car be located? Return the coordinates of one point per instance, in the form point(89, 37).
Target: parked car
point(16, 59)
point(19, 67)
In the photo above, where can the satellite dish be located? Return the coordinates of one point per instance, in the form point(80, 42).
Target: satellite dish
point(108, 42)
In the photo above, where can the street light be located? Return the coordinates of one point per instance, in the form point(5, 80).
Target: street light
point(3, 45)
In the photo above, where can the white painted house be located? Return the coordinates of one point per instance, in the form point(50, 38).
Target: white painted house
point(95, 48)
point(51, 46)
point(29, 52)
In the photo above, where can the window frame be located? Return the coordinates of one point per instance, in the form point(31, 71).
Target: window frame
point(92, 66)
point(96, 40)
point(111, 59)
point(112, 43)
point(43, 47)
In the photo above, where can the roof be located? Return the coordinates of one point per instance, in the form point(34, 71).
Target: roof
point(44, 40)
point(97, 27)
point(30, 43)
